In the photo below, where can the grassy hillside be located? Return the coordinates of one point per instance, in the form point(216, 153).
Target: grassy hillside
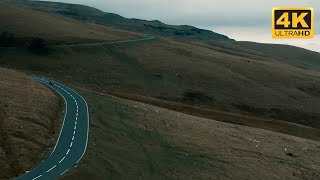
point(28, 121)
point(288, 54)
point(292, 55)
point(244, 83)
point(186, 74)
point(147, 142)
point(89, 14)
point(240, 78)
point(21, 25)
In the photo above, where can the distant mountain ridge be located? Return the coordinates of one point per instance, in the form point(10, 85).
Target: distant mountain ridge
point(88, 16)
point(155, 27)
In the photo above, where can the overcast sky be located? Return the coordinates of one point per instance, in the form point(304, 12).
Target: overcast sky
point(243, 20)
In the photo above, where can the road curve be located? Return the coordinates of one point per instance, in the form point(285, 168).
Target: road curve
point(73, 138)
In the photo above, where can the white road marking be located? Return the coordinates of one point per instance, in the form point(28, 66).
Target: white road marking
point(87, 122)
point(66, 107)
point(52, 168)
point(72, 138)
point(77, 114)
point(61, 160)
point(74, 132)
point(37, 177)
point(68, 151)
point(75, 123)
point(71, 144)
point(76, 119)
point(75, 127)
point(64, 172)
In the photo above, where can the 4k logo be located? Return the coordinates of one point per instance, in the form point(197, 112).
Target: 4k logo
point(292, 23)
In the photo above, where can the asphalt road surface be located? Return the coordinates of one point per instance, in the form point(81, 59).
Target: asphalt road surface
point(73, 139)
point(72, 142)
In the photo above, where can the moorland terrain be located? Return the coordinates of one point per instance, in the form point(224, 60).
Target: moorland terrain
point(201, 101)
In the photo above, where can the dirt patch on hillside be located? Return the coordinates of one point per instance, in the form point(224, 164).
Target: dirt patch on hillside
point(28, 121)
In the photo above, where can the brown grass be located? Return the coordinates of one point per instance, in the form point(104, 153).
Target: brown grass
point(28, 121)
point(151, 142)
point(234, 79)
point(25, 24)
point(241, 83)
point(233, 118)
point(133, 140)
point(279, 126)
point(189, 75)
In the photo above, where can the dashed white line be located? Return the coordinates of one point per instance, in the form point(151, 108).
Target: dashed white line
point(64, 172)
point(87, 123)
point(62, 160)
point(68, 152)
point(52, 168)
point(74, 132)
point(37, 177)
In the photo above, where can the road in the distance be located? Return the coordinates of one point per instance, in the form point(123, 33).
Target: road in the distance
point(145, 38)
point(72, 142)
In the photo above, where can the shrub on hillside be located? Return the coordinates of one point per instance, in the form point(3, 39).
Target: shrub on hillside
point(38, 46)
point(6, 39)
point(195, 96)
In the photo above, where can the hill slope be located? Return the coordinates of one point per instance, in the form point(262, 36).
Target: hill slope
point(219, 81)
point(236, 77)
point(89, 14)
point(25, 24)
point(292, 55)
point(28, 121)
point(147, 142)
point(186, 74)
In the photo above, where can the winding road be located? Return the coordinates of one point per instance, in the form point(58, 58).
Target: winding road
point(73, 139)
